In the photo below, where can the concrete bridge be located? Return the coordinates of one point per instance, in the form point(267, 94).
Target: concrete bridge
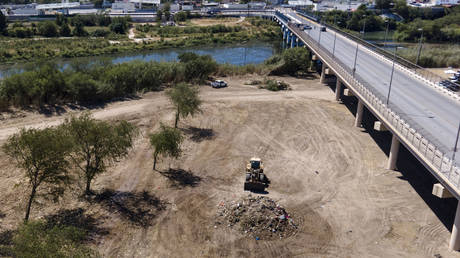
point(405, 98)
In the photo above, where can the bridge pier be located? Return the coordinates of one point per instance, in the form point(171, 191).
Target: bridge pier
point(455, 236)
point(323, 73)
point(293, 41)
point(359, 114)
point(338, 88)
point(288, 39)
point(393, 157)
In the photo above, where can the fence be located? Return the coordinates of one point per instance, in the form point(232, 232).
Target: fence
point(432, 152)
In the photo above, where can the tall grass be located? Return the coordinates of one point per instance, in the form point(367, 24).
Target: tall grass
point(433, 55)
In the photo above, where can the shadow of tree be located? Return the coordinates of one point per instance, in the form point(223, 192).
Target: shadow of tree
point(181, 178)
point(6, 241)
point(199, 134)
point(77, 218)
point(138, 208)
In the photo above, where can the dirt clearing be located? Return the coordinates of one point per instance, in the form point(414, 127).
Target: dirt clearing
point(227, 21)
point(328, 174)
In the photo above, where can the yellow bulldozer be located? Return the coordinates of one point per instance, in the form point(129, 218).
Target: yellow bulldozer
point(256, 180)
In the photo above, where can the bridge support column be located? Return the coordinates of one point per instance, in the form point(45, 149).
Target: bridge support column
point(455, 236)
point(323, 73)
point(293, 41)
point(359, 114)
point(338, 89)
point(393, 153)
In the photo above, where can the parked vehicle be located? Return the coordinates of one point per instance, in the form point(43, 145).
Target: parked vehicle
point(218, 84)
point(323, 28)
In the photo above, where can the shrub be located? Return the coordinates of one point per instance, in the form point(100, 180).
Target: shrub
point(48, 29)
point(36, 239)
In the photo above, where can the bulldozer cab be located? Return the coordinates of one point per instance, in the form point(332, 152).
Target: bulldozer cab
point(255, 163)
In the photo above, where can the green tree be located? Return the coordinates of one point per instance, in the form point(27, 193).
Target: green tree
point(295, 60)
point(166, 142)
point(383, 4)
point(64, 30)
point(180, 16)
point(48, 29)
point(42, 154)
point(97, 144)
point(159, 14)
point(79, 29)
point(119, 25)
point(3, 23)
point(198, 68)
point(61, 19)
point(37, 239)
point(186, 100)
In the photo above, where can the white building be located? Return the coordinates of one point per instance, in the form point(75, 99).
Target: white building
point(445, 2)
point(123, 7)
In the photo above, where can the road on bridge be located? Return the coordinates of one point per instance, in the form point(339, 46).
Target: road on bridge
point(435, 115)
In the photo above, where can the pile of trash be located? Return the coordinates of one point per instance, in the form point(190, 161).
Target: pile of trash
point(256, 216)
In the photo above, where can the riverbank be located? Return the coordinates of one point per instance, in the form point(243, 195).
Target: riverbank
point(14, 50)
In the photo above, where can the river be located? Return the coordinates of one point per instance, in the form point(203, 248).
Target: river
point(241, 54)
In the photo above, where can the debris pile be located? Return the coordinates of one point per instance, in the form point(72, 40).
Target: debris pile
point(256, 216)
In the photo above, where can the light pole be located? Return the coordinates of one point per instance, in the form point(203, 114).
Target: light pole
point(386, 33)
point(333, 48)
point(356, 56)
point(364, 26)
point(420, 47)
point(455, 150)
point(319, 37)
point(391, 77)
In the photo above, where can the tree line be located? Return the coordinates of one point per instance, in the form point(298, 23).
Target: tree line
point(100, 82)
point(67, 26)
point(438, 25)
point(95, 83)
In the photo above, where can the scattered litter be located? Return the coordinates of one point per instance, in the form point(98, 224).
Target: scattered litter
point(256, 216)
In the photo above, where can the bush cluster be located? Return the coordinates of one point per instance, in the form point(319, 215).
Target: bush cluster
point(97, 83)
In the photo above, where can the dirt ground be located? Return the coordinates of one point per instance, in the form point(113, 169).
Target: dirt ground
point(440, 71)
point(328, 174)
point(228, 21)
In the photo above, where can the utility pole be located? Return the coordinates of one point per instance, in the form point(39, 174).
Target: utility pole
point(386, 33)
point(319, 37)
point(420, 47)
point(364, 25)
point(333, 48)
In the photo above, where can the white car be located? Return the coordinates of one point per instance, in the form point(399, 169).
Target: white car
point(218, 84)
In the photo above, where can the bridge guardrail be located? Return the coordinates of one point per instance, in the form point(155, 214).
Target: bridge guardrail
point(402, 61)
point(432, 152)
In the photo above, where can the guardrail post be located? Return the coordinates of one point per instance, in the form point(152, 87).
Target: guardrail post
point(359, 114)
point(394, 150)
point(455, 238)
